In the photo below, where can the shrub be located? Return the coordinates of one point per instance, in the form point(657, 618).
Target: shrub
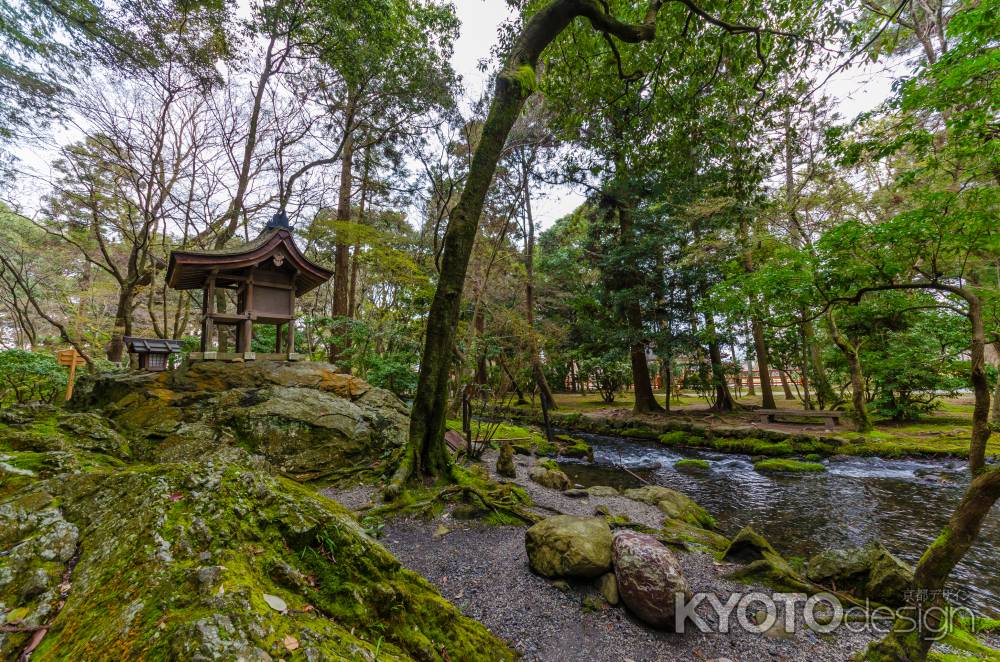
point(30, 377)
point(611, 372)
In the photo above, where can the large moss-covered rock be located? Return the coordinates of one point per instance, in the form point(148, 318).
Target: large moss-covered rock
point(673, 504)
point(868, 572)
point(551, 478)
point(154, 524)
point(569, 546)
point(211, 560)
point(305, 418)
point(692, 537)
point(760, 562)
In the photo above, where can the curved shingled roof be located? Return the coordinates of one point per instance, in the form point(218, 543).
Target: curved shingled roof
point(188, 270)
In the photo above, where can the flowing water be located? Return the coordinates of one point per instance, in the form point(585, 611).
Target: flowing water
point(903, 503)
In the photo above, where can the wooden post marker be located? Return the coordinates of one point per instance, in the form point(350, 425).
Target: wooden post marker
point(72, 358)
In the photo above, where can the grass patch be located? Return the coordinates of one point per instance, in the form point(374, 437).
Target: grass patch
point(788, 465)
point(640, 433)
point(680, 438)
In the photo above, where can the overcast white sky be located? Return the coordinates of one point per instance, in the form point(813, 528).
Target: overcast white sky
point(855, 90)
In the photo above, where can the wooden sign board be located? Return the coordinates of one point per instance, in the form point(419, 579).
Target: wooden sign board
point(72, 358)
point(69, 357)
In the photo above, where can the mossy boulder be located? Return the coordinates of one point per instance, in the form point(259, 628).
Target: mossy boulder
point(639, 433)
point(784, 465)
point(747, 546)
point(575, 448)
point(870, 572)
point(569, 546)
point(211, 560)
point(689, 536)
point(305, 418)
point(602, 491)
point(673, 504)
point(759, 562)
point(551, 478)
point(608, 586)
point(693, 465)
point(155, 527)
point(680, 438)
point(39, 442)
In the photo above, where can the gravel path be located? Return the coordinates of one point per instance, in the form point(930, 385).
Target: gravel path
point(484, 571)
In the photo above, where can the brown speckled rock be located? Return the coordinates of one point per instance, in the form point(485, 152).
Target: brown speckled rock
point(648, 576)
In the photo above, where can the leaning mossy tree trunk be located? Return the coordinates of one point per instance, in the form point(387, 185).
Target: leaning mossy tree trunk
point(936, 564)
point(904, 643)
point(426, 455)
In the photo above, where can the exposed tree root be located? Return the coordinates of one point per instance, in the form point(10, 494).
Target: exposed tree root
point(501, 500)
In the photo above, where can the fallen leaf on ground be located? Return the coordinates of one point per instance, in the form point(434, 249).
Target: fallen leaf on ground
point(275, 603)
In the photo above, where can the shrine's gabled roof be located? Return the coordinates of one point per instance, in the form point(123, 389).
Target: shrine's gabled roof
point(152, 345)
point(188, 270)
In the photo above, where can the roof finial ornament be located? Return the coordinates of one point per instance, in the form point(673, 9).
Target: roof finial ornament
point(279, 221)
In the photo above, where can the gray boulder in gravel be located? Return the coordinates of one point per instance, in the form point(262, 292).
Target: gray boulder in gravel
point(648, 576)
point(569, 546)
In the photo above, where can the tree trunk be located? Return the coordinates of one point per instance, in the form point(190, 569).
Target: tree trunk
point(764, 365)
point(426, 453)
point(123, 324)
point(996, 390)
point(342, 254)
point(757, 327)
point(668, 378)
point(645, 400)
point(804, 368)
point(821, 384)
point(980, 385)
point(352, 303)
point(723, 398)
point(513, 382)
point(862, 421)
point(529, 289)
point(479, 323)
point(933, 570)
point(784, 385)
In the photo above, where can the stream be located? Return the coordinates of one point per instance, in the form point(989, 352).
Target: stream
point(902, 503)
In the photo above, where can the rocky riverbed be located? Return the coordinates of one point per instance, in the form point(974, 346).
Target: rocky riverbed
point(484, 570)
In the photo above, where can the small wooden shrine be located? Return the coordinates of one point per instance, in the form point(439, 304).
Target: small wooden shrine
point(154, 353)
point(266, 275)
